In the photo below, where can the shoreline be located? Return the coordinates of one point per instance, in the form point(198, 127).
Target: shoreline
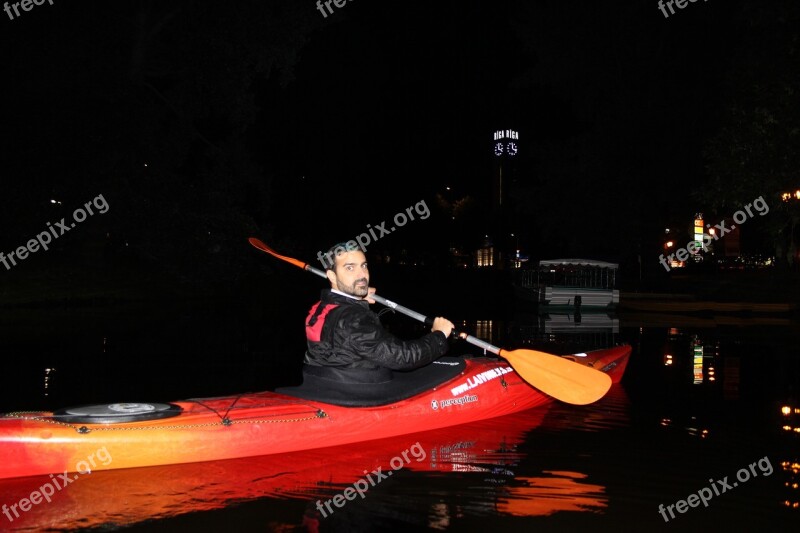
point(100, 287)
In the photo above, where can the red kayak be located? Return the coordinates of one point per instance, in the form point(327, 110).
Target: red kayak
point(73, 441)
point(486, 451)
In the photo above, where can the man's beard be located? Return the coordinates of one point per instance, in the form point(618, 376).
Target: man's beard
point(355, 289)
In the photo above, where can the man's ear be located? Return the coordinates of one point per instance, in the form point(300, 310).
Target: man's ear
point(331, 277)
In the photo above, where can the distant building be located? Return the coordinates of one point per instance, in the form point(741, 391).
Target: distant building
point(499, 249)
point(706, 240)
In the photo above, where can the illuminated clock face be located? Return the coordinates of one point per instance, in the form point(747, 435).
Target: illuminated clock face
point(498, 149)
point(512, 148)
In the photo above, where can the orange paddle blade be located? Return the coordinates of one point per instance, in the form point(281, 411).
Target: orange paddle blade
point(263, 247)
point(565, 380)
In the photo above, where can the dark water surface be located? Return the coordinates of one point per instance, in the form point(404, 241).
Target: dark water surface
point(700, 403)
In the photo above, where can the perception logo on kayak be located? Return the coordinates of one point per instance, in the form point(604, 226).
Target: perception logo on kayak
point(478, 379)
point(472, 398)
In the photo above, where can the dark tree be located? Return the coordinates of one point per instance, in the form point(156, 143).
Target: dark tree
point(754, 154)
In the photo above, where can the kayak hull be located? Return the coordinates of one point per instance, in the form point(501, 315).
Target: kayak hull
point(265, 423)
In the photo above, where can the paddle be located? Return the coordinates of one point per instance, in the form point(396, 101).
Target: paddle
point(561, 378)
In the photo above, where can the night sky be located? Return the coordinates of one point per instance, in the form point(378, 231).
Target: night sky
point(202, 123)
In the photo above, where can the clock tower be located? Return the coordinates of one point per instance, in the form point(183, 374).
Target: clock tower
point(505, 146)
point(501, 239)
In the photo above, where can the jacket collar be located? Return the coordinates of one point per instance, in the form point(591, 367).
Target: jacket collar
point(332, 295)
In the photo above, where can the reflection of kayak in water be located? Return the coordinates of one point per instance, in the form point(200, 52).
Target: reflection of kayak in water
point(553, 492)
point(562, 490)
point(485, 449)
point(450, 392)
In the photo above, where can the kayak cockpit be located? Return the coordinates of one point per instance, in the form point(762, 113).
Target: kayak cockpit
point(332, 386)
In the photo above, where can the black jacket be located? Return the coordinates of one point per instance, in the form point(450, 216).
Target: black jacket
point(343, 332)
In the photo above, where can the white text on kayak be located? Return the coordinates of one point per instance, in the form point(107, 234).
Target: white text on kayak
point(478, 379)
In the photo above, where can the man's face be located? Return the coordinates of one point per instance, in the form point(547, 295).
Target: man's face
point(350, 274)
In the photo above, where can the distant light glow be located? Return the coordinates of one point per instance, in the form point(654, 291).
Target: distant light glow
point(486, 257)
point(698, 233)
point(698, 363)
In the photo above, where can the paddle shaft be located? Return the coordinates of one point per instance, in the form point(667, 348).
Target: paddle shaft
point(417, 316)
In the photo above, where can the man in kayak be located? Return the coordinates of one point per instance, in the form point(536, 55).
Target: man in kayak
point(346, 340)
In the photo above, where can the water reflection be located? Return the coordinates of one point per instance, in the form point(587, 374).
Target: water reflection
point(700, 360)
point(703, 391)
point(790, 470)
point(790, 461)
point(570, 332)
point(553, 332)
point(484, 453)
point(49, 378)
point(555, 491)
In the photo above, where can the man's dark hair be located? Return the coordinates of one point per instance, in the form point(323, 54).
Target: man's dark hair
point(335, 250)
